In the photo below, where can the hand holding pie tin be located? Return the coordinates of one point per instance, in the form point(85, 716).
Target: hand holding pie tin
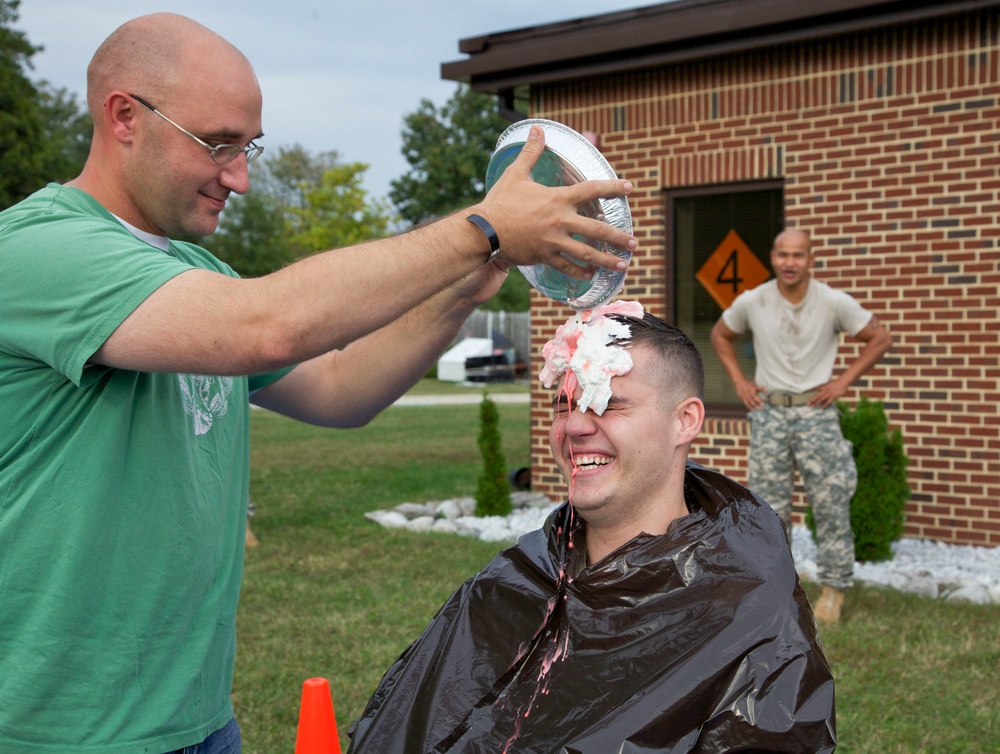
point(568, 159)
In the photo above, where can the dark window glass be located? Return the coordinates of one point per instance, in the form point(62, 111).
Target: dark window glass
point(721, 245)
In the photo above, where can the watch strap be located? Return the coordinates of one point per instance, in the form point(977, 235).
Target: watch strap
point(490, 233)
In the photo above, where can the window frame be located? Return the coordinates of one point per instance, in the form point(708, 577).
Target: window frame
point(714, 409)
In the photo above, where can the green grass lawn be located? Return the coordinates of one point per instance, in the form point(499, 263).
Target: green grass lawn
point(329, 594)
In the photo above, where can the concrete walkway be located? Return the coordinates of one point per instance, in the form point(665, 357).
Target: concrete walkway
point(463, 399)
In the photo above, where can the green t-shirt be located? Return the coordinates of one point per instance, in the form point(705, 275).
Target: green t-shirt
point(122, 499)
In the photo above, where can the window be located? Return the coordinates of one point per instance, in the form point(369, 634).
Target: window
point(720, 244)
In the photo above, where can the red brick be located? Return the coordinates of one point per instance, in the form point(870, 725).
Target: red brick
point(903, 201)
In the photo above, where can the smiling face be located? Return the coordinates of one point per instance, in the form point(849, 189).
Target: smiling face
point(625, 467)
point(141, 167)
point(175, 184)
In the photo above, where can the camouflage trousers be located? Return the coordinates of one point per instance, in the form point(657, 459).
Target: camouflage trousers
point(810, 439)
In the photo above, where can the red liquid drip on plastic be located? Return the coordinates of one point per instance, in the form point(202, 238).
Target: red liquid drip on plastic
point(559, 645)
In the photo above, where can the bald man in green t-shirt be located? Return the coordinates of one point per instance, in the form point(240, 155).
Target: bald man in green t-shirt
point(128, 363)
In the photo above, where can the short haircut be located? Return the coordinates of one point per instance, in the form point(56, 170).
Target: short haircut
point(683, 373)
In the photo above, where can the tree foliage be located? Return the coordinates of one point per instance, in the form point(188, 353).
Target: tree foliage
point(21, 125)
point(68, 132)
point(299, 203)
point(493, 490)
point(44, 135)
point(335, 211)
point(448, 149)
point(514, 295)
point(878, 506)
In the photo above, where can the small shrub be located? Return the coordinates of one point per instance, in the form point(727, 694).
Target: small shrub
point(878, 506)
point(493, 489)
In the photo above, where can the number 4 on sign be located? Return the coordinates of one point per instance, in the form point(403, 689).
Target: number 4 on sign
point(731, 269)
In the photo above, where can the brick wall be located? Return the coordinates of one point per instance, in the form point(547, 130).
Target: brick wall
point(888, 147)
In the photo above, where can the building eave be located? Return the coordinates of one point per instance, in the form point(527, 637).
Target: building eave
point(670, 33)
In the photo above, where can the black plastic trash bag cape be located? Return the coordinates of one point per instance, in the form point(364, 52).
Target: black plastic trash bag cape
point(700, 640)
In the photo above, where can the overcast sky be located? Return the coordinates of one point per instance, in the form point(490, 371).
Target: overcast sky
point(335, 75)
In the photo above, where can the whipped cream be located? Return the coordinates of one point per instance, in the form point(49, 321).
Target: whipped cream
point(583, 350)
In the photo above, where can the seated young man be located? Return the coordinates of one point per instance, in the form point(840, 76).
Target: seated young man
point(657, 610)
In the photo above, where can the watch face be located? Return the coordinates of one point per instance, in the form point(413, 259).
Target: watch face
point(568, 158)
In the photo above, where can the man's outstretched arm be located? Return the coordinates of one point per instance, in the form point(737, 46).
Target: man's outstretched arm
point(206, 323)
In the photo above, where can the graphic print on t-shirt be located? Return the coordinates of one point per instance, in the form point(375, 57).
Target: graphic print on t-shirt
point(205, 398)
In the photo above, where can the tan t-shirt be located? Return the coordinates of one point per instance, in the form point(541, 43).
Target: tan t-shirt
point(795, 345)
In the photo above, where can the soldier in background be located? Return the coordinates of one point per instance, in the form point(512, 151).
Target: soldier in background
point(796, 323)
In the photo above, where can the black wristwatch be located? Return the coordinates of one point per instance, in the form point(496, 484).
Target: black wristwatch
point(489, 232)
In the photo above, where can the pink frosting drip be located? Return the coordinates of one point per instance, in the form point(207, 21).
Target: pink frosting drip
point(582, 350)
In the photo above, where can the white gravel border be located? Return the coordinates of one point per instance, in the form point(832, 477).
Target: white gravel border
point(932, 569)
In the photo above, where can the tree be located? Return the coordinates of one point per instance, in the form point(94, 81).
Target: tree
point(44, 134)
point(493, 490)
point(299, 203)
point(22, 130)
point(335, 211)
point(68, 133)
point(448, 150)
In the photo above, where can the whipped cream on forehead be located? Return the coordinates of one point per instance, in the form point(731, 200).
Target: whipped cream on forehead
point(583, 350)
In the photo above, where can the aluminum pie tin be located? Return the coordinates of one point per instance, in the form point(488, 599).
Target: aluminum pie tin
point(568, 159)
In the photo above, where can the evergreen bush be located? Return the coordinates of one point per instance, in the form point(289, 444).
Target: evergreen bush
point(878, 505)
point(493, 489)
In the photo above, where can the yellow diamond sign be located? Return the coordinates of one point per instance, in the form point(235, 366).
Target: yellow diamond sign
point(731, 269)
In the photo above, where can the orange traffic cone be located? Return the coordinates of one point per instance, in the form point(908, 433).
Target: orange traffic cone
point(317, 725)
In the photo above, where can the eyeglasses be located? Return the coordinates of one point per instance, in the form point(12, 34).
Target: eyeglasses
point(222, 153)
